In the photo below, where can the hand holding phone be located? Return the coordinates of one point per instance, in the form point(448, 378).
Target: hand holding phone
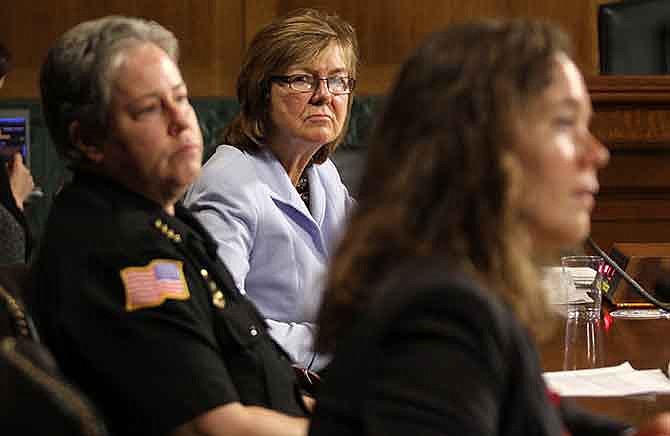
point(20, 179)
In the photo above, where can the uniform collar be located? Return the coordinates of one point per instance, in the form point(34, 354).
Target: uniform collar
point(103, 183)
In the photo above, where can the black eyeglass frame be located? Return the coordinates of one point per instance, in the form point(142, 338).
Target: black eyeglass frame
point(289, 80)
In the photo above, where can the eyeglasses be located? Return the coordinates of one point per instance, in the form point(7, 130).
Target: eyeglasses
point(337, 85)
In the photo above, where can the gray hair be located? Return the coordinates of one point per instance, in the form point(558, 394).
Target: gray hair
point(77, 76)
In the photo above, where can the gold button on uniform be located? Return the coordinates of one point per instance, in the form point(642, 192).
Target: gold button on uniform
point(218, 300)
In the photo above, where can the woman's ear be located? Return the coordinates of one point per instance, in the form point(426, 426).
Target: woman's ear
point(92, 152)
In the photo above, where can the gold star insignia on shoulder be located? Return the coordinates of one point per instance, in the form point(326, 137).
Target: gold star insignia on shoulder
point(167, 231)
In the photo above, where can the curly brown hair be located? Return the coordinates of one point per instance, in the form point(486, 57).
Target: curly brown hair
point(441, 180)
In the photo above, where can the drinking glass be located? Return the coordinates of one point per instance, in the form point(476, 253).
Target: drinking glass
point(583, 279)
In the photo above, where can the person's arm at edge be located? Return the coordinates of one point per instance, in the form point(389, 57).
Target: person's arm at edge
point(20, 180)
point(235, 419)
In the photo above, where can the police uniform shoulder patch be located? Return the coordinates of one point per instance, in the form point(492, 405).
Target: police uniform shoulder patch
point(150, 285)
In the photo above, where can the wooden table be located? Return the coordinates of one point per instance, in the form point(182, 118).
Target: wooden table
point(643, 343)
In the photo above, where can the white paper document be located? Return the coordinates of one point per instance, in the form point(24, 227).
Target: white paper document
point(613, 381)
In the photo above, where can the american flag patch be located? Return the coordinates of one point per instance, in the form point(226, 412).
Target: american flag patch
point(151, 285)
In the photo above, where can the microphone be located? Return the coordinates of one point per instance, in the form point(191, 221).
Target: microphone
point(661, 285)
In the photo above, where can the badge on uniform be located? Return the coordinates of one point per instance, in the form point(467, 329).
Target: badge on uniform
point(151, 285)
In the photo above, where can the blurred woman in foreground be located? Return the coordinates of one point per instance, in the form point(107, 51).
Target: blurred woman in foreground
point(482, 164)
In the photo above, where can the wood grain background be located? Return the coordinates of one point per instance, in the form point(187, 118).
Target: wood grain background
point(632, 115)
point(214, 33)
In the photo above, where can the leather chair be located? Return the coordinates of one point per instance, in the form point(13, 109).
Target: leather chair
point(35, 398)
point(633, 37)
point(15, 282)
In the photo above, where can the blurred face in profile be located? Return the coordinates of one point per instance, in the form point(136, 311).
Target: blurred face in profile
point(560, 159)
point(155, 147)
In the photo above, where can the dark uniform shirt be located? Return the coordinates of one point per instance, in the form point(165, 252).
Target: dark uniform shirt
point(145, 318)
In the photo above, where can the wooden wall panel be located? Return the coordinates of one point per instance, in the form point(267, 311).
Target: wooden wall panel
point(256, 15)
point(389, 31)
point(210, 33)
point(631, 116)
point(214, 33)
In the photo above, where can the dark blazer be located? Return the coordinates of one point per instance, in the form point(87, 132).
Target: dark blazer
point(437, 355)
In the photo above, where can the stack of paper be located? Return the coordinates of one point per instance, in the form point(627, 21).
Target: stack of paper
point(582, 275)
point(560, 284)
point(613, 381)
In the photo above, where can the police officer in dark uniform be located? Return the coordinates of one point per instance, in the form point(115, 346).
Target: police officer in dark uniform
point(131, 296)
